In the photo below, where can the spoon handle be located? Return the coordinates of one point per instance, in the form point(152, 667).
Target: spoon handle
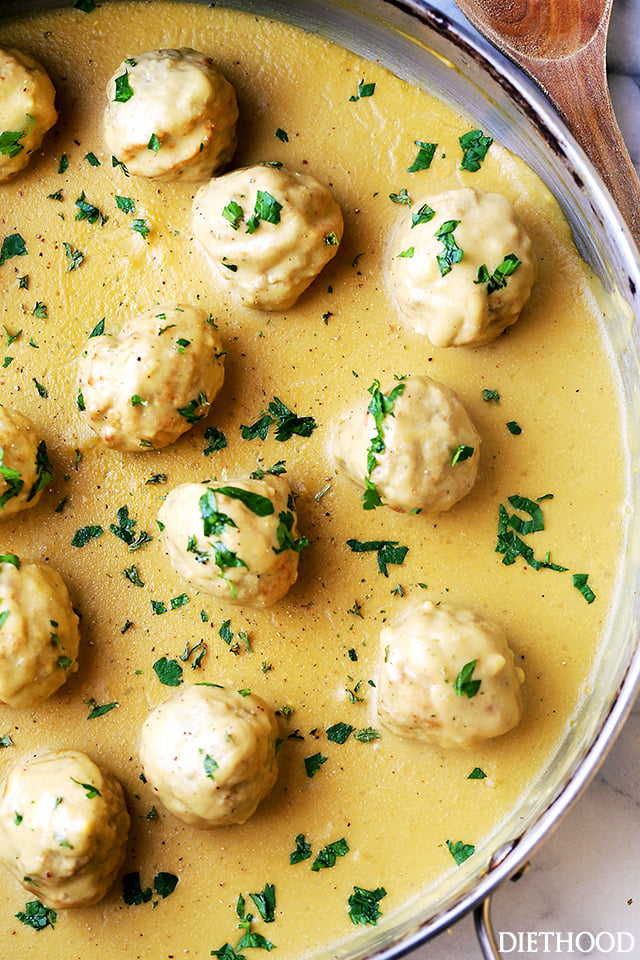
point(577, 87)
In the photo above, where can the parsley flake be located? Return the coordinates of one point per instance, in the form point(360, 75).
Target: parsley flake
point(474, 146)
point(12, 246)
point(168, 672)
point(363, 905)
point(424, 157)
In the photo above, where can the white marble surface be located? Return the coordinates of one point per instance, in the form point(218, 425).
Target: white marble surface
point(586, 876)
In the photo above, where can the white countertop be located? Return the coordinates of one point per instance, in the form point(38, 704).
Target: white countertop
point(586, 876)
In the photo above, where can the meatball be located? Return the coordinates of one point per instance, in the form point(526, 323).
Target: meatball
point(210, 754)
point(462, 267)
point(63, 828)
point(413, 448)
point(25, 469)
point(171, 115)
point(26, 110)
point(236, 540)
point(447, 677)
point(268, 232)
point(38, 632)
point(145, 387)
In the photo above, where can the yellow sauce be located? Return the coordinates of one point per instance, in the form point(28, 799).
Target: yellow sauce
point(395, 802)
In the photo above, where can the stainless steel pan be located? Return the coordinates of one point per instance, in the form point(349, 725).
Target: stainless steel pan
point(423, 46)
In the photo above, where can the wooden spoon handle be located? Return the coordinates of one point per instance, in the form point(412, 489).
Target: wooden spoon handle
point(578, 89)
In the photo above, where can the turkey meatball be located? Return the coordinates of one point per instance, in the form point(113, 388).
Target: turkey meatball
point(413, 448)
point(268, 232)
point(447, 677)
point(237, 540)
point(25, 469)
point(171, 115)
point(462, 267)
point(145, 387)
point(210, 754)
point(63, 828)
point(38, 632)
point(26, 110)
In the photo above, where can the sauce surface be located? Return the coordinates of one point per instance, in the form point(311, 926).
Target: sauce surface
point(396, 803)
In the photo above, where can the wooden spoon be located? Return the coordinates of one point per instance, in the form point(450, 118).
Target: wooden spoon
point(561, 44)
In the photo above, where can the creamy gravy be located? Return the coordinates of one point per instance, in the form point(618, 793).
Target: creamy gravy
point(395, 802)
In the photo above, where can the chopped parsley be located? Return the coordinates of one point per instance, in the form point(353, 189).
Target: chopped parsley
point(13, 480)
point(89, 789)
point(266, 902)
point(477, 774)
point(56, 196)
point(168, 672)
point(284, 533)
point(452, 253)
point(12, 246)
point(462, 453)
point(214, 522)
point(10, 140)
point(490, 395)
point(210, 766)
point(87, 211)
point(366, 735)
point(424, 157)
point(96, 711)
point(10, 558)
point(156, 478)
point(464, 685)
point(164, 883)
point(216, 440)
point(140, 226)
point(380, 406)
point(460, 851)
point(132, 892)
point(154, 143)
point(282, 135)
point(580, 583)
point(98, 330)
point(266, 208)
point(498, 279)
point(474, 146)
point(312, 764)
point(234, 213)
point(288, 423)
point(363, 905)
point(402, 197)
point(328, 855)
point(339, 732)
point(64, 163)
point(189, 412)
point(364, 90)
point(87, 6)
point(123, 89)
point(511, 545)
point(514, 428)
point(6, 741)
point(82, 536)
point(254, 502)
point(125, 204)
point(40, 311)
point(36, 915)
point(302, 850)
point(388, 551)
point(132, 574)
point(408, 253)
point(75, 257)
point(11, 338)
point(424, 215)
